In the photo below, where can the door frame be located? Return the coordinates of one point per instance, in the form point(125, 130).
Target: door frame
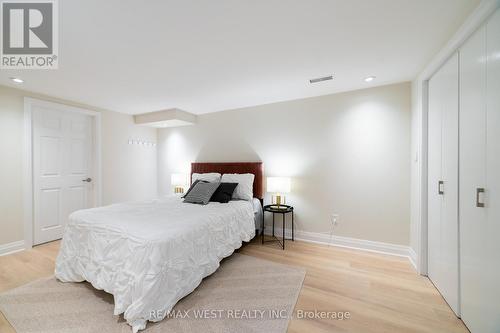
point(28, 198)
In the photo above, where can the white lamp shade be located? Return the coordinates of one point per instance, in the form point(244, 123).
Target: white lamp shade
point(278, 184)
point(178, 179)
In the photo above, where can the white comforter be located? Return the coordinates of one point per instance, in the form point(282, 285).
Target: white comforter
point(151, 254)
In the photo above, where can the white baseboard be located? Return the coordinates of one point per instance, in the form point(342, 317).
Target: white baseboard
point(347, 242)
point(11, 247)
point(413, 258)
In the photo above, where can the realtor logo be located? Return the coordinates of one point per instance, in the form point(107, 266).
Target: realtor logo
point(29, 34)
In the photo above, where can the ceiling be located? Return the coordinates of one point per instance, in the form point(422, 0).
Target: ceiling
point(205, 56)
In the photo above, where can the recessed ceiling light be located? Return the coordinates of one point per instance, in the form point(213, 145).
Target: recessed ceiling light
point(17, 80)
point(369, 78)
point(320, 79)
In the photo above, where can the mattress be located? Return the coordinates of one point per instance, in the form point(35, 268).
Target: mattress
point(150, 254)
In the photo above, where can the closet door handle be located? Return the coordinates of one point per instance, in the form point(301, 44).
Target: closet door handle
point(479, 190)
point(440, 187)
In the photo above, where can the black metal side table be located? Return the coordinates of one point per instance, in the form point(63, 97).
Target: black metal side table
point(283, 210)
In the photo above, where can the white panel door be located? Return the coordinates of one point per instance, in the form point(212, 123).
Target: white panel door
point(480, 170)
point(443, 182)
point(62, 169)
point(491, 231)
point(435, 198)
point(472, 174)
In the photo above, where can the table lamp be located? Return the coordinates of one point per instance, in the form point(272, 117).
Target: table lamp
point(178, 180)
point(278, 186)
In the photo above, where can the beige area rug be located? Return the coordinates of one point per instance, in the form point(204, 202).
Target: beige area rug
point(245, 294)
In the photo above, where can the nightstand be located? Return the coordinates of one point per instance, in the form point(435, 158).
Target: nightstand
point(283, 210)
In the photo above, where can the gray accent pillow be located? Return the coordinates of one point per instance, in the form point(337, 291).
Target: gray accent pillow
point(192, 186)
point(201, 193)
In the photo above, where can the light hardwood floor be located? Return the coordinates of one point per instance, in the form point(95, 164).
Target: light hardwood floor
point(382, 293)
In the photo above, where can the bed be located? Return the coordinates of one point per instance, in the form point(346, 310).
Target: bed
point(150, 254)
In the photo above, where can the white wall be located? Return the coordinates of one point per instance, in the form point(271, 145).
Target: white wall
point(129, 172)
point(11, 166)
point(347, 153)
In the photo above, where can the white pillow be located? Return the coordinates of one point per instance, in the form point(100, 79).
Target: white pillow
point(212, 177)
point(244, 190)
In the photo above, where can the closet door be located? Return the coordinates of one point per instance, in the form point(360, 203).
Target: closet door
point(443, 182)
point(480, 179)
point(491, 259)
point(435, 203)
point(472, 175)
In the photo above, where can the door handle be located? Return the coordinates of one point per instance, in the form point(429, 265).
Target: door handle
point(88, 180)
point(479, 190)
point(440, 187)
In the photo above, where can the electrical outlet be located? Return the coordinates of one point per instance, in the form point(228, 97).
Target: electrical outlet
point(335, 219)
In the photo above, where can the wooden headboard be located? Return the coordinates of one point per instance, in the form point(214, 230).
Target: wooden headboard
point(235, 167)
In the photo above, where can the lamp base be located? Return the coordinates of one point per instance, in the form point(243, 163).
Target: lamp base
point(179, 190)
point(278, 200)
